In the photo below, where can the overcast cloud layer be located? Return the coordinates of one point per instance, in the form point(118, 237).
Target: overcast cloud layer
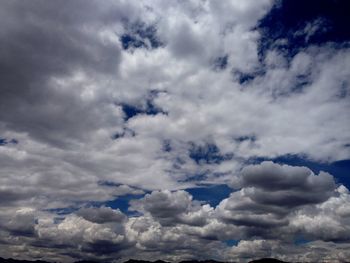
point(145, 99)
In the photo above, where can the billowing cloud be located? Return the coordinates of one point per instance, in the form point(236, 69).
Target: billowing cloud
point(173, 208)
point(111, 111)
point(172, 225)
point(101, 215)
point(271, 193)
point(286, 186)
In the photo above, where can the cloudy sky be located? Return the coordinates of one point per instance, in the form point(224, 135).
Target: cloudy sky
point(188, 129)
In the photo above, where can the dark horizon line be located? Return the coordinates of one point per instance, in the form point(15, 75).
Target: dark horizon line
point(261, 260)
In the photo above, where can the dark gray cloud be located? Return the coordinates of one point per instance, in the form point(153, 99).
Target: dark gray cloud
point(20, 222)
point(9, 196)
point(271, 193)
point(282, 185)
point(171, 208)
point(101, 215)
point(172, 224)
point(52, 41)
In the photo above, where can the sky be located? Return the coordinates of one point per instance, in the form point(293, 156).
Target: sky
point(175, 130)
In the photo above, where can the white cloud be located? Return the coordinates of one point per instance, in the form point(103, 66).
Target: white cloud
point(65, 78)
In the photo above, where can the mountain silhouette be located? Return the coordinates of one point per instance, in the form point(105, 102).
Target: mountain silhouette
point(267, 260)
point(263, 260)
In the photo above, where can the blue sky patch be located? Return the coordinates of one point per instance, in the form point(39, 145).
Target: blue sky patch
point(245, 78)
point(232, 242)
point(301, 240)
point(208, 153)
point(303, 23)
point(4, 141)
point(220, 63)
point(140, 35)
point(122, 202)
point(131, 111)
point(211, 194)
point(251, 138)
point(301, 81)
point(126, 132)
point(167, 146)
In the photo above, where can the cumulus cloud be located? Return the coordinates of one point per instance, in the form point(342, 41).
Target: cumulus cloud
point(271, 194)
point(21, 222)
point(173, 226)
point(173, 208)
point(286, 185)
point(102, 101)
point(46, 62)
point(326, 221)
point(101, 215)
point(79, 235)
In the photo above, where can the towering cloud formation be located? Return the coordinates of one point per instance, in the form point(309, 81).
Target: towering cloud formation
point(115, 115)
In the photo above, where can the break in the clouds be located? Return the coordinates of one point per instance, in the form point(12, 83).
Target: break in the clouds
point(122, 124)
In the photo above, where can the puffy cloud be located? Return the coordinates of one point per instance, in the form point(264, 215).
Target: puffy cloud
point(258, 248)
point(171, 225)
point(327, 221)
point(310, 252)
point(78, 235)
point(19, 223)
point(170, 242)
point(273, 184)
point(105, 99)
point(101, 215)
point(47, 61)
point(173, 208)
point(271, 193)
